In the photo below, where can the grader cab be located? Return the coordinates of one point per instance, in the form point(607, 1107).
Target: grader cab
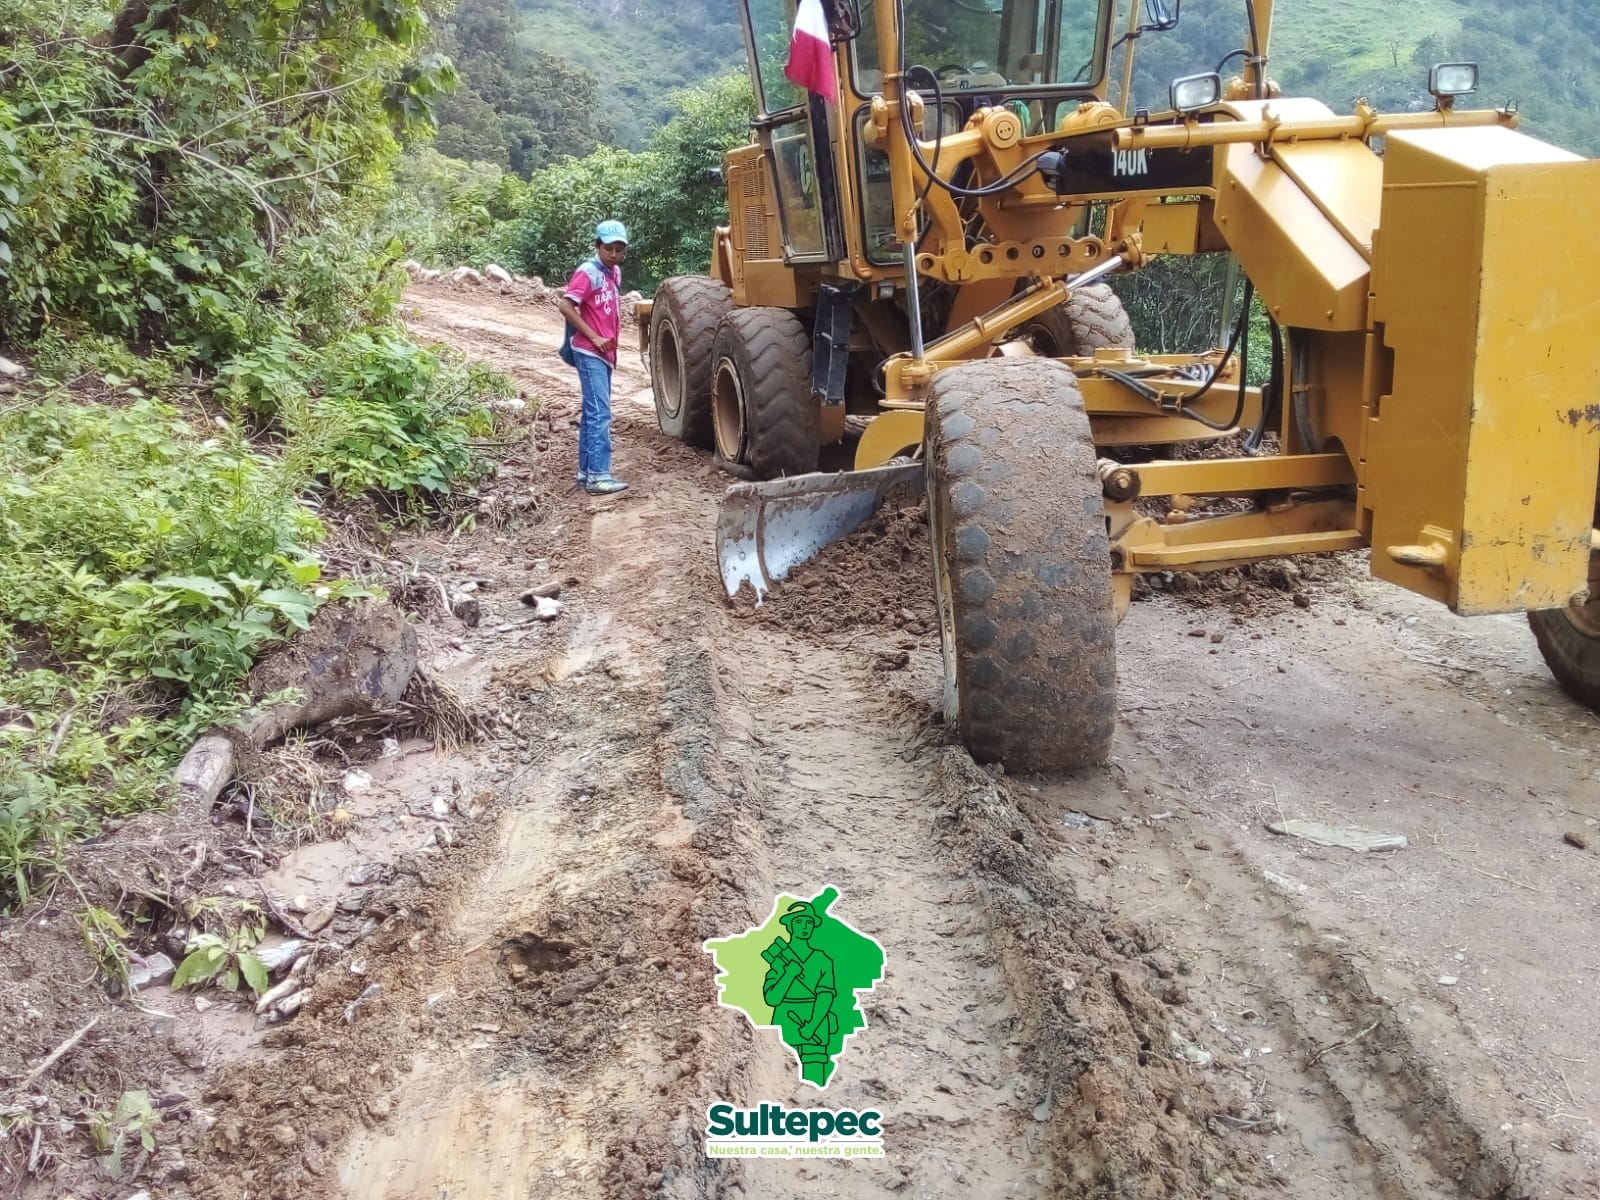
point(911, 279)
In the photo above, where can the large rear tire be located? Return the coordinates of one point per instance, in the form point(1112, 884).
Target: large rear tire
point(1022, 567)
point(1088, 319)
point(1569, 639)
point(683, 334)
point(762, 411)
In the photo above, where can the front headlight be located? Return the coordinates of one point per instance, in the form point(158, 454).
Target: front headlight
point(1194, 92)
point(1453, 79)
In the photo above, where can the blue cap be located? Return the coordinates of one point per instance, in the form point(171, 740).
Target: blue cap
point(611, 231)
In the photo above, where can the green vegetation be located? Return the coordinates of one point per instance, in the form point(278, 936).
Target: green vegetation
point(519, 107)
point(640, 54)
point(455, 213)
point(187, 191)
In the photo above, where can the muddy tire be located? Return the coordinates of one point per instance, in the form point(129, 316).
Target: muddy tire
point(1569, 639)
point(762, 412)
point(1088, 319)
point(1022, 568)
point(683, 334)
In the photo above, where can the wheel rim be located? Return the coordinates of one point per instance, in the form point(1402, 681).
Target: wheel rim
point(1585, 618)
point(668, 362)
point(945, 602)
point(727, 410)
point(1042, 339)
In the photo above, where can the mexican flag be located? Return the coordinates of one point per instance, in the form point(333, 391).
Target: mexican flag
point(811, 54)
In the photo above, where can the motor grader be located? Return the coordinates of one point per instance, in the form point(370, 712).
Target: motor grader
point(913, 267)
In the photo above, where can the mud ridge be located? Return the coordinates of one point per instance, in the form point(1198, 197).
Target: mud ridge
point(1121, 1117)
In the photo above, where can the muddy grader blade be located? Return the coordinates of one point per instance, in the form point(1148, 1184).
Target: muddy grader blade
point(765, 530)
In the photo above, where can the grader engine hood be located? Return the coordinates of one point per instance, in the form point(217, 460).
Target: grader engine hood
point(1450, 281)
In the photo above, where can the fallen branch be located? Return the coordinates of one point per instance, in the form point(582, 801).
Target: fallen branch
point(1349, 1041)
point(275, 909)
point(56, 1054)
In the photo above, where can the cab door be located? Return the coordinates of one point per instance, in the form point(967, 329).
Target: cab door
point(788, 125)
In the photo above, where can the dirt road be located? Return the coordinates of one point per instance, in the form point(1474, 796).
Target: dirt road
point(1117, 985)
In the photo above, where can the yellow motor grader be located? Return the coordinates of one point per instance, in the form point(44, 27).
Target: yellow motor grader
point(915, 265)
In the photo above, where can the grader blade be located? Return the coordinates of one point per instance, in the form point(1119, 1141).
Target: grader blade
point(765, 530)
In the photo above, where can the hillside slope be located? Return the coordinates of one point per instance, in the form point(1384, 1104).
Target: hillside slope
point(638, 53)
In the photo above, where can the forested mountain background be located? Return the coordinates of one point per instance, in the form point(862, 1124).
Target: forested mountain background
point(545, 79)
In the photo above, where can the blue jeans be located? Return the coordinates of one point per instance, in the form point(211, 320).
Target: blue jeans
point(594, 423)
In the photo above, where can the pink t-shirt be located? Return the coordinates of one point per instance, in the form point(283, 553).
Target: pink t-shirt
point(598, 295)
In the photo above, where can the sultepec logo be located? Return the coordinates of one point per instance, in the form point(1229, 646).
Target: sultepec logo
point(801, 973)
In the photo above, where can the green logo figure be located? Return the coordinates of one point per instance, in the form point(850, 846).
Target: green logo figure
point(800, 973)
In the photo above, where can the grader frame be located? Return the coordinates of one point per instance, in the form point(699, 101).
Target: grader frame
point(1430, 367)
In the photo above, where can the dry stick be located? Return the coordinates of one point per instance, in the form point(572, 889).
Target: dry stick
point(1508, 879)
point(61, 735)
point(55, 1055)
point(1349, 1041)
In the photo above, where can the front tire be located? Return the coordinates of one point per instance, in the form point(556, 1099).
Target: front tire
point(762, 411)
point(683, 334)
point(1022, 566)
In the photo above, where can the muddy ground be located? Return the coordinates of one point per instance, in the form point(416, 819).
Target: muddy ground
point(1119, 984)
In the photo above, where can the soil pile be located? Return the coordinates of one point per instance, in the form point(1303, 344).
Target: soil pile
point(881, 575)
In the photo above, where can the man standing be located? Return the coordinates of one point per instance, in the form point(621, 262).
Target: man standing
point(592, 306)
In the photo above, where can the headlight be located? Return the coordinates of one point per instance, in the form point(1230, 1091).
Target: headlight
point(1453, 79)
point(1196, 92)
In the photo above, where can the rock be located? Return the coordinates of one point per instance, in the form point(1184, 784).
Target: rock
point(466, 275)
point(368, 873)
point(1573, 838)
point(391, 748)
point(290, 1004)
point(1448, 980)
point(546, 609)
point(497, 273)
point(411, 267)
point(11, 370)
point(276, 958)
point(370, 992)
point(545, 591)
point(444, 835)
point(354, 661)
point(284, 1135)
point(428, 276)
point(1287, 884)
point(466, 608)
point(151, 970)
point(356, 782)
point(1301, 600)
point(1342, 837)
point(300, 905)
